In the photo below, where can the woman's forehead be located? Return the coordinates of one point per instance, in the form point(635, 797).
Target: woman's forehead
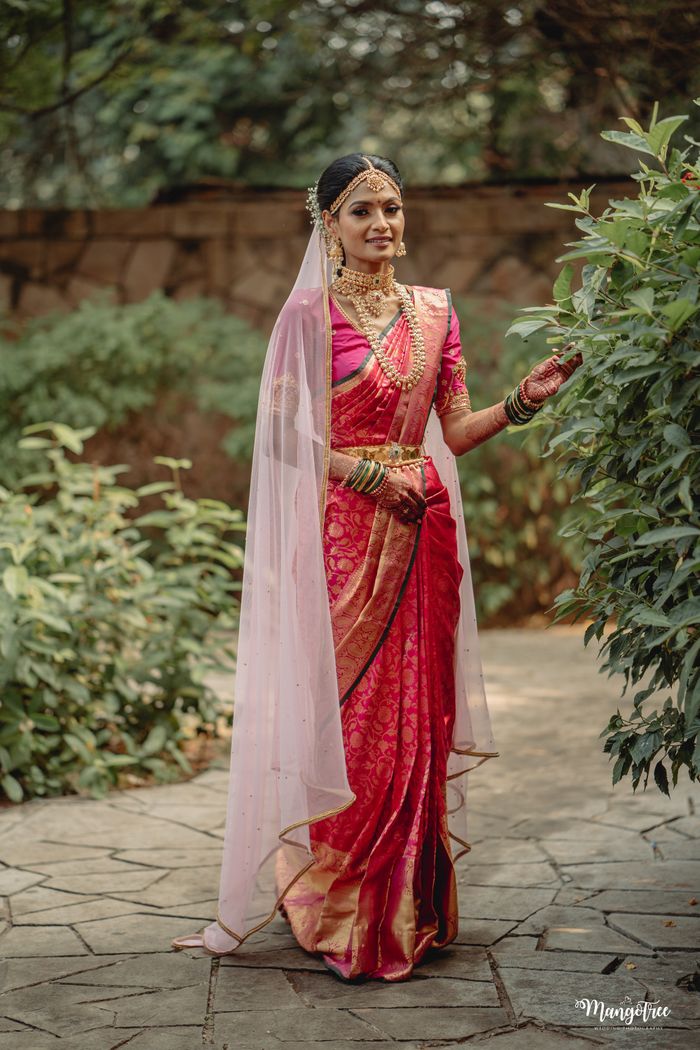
point(363, 195)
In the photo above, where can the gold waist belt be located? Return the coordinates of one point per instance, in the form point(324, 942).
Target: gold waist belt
point(393, 454)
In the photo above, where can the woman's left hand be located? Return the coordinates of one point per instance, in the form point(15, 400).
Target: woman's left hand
point(545, 379)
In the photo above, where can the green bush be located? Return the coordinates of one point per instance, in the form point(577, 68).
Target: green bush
point(514, 503)
point(105, 642)
point(102, 363)
point(628, 426)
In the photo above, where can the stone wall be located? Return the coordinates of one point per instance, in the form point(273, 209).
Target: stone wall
point(486, 242)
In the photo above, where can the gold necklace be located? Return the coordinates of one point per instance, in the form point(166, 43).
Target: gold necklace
point(403, 380)
point(374, 288)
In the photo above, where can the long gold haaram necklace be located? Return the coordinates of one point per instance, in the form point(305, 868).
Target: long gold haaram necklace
point(367, 292)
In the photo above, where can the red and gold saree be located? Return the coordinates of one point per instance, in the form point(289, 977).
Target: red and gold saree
point(382, 889)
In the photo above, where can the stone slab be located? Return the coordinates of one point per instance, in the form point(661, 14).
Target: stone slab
point(637, 1039)
point(182, 886)
point(624, 875)
point(100, 1039)
point(101, 824)
point(83, 911)
point(656, 931)
point(13, 880)
point(170, 1038)
point(449, 1022)
point(39, 898)
point(486, 902)
point(464, 963)
point(529, 1038)
point(676, 847)
point(160, 1007)
point(509, 875)
point(21, 852)
point(572, 851)
point(550, 998)
point(483, 931)
point(506, 850)
point(578, 929)
point(250, 989)
point(25, 941)
point(654, 902)
point(130, 933)
point(689, 826)
point(119, 882)
point(289, 958)
point(326, 990)
point(174, 970)
point(69, 1010)
point(20, 973)
point(522, 953)
point(88, 866)
point(263, 1029)
point(172, 858)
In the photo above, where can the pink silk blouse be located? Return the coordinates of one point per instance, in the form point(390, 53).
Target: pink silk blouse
point(350, 351)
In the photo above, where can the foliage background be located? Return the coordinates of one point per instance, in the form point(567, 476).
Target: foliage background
point(108, 103)
point(630, 428)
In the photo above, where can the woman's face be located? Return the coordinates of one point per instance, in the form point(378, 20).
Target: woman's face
point(370, 227)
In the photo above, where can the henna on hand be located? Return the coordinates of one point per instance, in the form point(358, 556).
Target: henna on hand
point(545, 378)
point(401, 498)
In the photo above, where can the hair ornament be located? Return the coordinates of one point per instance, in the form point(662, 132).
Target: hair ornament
point(313, 207)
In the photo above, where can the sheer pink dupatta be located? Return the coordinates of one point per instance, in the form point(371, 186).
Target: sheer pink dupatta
point(287, 757)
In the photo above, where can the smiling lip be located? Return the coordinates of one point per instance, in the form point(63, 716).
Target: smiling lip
point(379, 240)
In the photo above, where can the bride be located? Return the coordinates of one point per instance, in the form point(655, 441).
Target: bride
point(359, 698)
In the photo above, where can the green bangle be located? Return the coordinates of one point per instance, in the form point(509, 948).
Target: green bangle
point(378, 479)
point(360, 474)
point(375, 470)
point(352, 478)
point(364, 468)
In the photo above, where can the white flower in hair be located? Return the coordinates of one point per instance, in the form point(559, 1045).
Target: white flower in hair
point(313, 206)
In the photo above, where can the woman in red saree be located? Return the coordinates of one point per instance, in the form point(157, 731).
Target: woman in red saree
point(365, 873)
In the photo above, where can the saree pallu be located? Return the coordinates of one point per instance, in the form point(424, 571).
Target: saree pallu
point(382, 888)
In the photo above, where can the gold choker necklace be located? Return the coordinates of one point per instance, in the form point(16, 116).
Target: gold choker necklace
point(363, 303)
point(373, 287)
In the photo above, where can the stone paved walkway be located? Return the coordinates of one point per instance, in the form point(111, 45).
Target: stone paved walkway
point(571, 892)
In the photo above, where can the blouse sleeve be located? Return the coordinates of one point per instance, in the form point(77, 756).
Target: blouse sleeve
point(452, 390)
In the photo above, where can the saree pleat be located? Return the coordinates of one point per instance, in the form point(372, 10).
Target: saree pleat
point(382, 888)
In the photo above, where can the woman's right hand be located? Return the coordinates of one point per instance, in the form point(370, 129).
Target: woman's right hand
point(401, 496)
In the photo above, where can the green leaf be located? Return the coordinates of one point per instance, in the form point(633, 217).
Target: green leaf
point(678, 312)
point(526, 326)
point(659, 136)
point(562, 285)
point(155, 741)
point(661, 778)
point(675, 435)
point(665, 533)
point(12, 788)
point(15, 579)
point(643, 298)
point(629, 139)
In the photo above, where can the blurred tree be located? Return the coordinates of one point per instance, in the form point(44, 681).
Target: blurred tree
point(105, 103)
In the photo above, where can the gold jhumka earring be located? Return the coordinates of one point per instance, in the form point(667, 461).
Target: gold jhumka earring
point(335, 252)
point(401, 250)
